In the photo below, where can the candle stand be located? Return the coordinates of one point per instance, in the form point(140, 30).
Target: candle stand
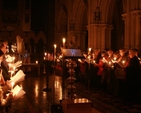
point(72, 55)
point(47, 78)
point(71, 88)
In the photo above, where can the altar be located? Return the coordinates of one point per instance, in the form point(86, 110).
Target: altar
point(25, 67)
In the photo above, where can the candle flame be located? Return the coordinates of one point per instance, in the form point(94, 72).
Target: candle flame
point(55, 45)
point(90, 49)
point(12, 84)
point(64, 40)
point(123, 61)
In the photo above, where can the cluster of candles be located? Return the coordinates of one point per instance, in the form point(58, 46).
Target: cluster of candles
point(47, 55)
point(89, 59)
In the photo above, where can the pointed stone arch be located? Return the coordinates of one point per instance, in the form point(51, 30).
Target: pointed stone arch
point(33, 36)
point(80, 22)
point(41, 35)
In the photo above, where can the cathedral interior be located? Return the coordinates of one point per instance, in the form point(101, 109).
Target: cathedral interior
point(48, 29)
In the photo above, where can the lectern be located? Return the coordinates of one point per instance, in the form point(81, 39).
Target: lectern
point(71, 104)
point(71, 55)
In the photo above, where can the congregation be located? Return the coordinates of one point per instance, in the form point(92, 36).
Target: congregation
point(117, 73)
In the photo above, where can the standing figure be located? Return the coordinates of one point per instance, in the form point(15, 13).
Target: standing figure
point(132, 76)
point(4, 64)
point(119, 82)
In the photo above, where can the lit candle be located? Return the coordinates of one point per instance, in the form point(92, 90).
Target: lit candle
point(90, 50)
point(94, 61)
point(12, 85)
point(10, 65)
point(115, 58)
point(109, 63)
point(55, 51)
point(45, 53)
point(55, 48)
point(123, 62)
point(64, 41)
point(36, 62)
point(89, 57)
point(13, 58)
point(79, 60)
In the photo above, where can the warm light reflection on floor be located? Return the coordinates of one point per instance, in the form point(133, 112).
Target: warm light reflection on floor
point(36, 91)
point(58, 88)
point(42, 100)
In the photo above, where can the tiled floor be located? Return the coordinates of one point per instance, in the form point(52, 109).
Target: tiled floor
point(38, 101)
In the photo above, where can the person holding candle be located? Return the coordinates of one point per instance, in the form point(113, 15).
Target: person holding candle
point(119, 81)
point(109, 71)
point(101, 77)
point(132, 80)
point(4, 64)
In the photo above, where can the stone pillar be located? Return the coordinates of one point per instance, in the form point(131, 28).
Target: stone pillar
point(98, 36)
point(91, 39)
point(133, 29)
point(138, 29)
point(95, 35)
point(82, 41)
point(103, 37)
point(93, 42)
point(126, 39)
point(108, 37)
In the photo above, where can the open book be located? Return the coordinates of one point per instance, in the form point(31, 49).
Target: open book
point(17, 64)
point(18, 92)
point(18, 77)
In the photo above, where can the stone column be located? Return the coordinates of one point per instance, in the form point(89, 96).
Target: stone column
point(138, 29)
point(126, 38)
point(133, 29)
point(108, 37)
point(80, 39)
point(93, 39)
point(95, 35)
point(103, 37)
point(98, 36)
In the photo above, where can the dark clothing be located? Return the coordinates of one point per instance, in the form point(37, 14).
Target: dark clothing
point(132, 78)
point(1, 53)
point(133, 71)
point(4, 67)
